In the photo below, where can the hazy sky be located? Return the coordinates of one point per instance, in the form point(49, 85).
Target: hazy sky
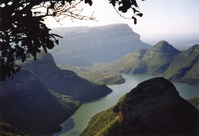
point(161, 18)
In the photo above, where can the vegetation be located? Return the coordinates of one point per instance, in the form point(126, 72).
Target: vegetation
point(35, 114)
point(194, 101)
point(106, 121)
point(23, 31)
point(103, 78)
point(67, 102)
point(95, 76)
point(154, 107)
point(184, 66)
point(162, 60)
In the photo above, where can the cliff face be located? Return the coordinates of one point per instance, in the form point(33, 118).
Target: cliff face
point(29, 108)
point(154, 107)
point(96, 44)
point(64, 81)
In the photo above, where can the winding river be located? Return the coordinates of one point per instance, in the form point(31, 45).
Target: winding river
point(78, 122)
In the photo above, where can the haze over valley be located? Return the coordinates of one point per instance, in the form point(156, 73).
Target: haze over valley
point(123, 67)
point(112, 49)
point(81, 69)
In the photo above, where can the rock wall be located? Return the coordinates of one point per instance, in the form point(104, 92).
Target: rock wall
point(154, 107)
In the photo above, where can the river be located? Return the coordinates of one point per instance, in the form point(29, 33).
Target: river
point(79, 121)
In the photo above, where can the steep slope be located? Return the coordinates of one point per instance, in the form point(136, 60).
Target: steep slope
point(29, 108)
point(162, 59)
point(96, 44)
point(64, 81)
point(185, 66)
point(154, 107)
point(146, 61)
point(157, 59)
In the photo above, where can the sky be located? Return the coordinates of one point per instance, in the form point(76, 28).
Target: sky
point(161, 19)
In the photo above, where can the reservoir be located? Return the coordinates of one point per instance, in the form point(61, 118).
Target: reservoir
point(79, 121)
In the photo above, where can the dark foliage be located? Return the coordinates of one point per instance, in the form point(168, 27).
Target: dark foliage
point(23, 31)
point(125, 5)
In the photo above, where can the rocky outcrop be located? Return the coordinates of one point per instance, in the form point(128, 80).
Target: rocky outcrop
point(28, 107)
point(154, 107)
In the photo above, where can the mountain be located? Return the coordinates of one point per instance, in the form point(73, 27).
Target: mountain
point(64, 81)
point(81, 46)
point(185, 66)
point(162, 59)
point(28, 107)
point(154, 107)
point(42, 96)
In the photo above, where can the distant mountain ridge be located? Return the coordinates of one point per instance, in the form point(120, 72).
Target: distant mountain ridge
point(163, 60)
point(96, 44)
point(154, 107)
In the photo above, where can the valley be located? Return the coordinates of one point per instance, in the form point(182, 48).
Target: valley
point(87, 70)
point(79, 121)
point(129, 55)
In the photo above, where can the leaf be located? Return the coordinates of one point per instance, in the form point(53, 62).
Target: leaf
point(134, 10)
point(112, 2)
point(4, 53)
point(56, 35)
point(139, 14)
point(7, 71)
point(10, 58)
point(44, 47)
point(63, 2)
point(35, 58)
point(120, 8)
point(23, 58)
point(135, 4)
point(13, 70)
point(54, 13)
point(89, 2)
point(135, 19)
point(50, 44)
point(18, 69)
point(4, 45)
point(57, 42)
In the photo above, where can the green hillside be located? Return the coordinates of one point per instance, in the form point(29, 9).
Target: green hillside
point(94, 76)
point(185, 66)
point(162, 60)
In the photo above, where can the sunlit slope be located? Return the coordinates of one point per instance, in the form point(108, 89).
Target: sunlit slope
point(162, 60)
point(185, 66)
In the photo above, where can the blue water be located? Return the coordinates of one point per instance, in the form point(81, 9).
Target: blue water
point(79, 121)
